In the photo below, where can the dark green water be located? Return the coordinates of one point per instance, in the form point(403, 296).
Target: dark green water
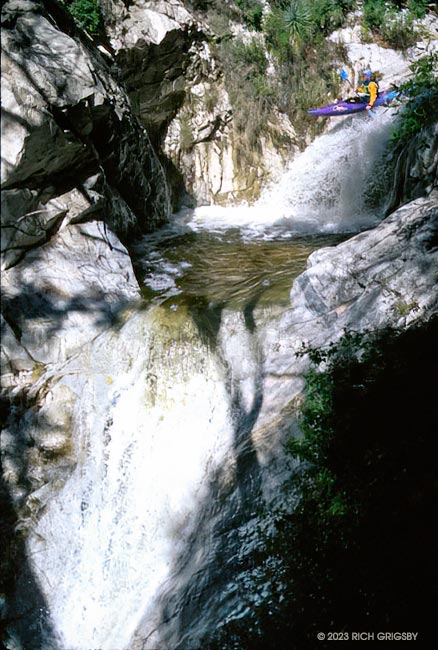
point(224, 269)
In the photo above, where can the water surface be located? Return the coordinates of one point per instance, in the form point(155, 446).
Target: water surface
point(224, 268)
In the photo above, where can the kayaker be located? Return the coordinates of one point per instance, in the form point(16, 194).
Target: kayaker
point(369, 87)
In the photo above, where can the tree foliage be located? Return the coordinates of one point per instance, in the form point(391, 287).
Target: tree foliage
point(252, 13)
point(420, 109)
point(87, 14)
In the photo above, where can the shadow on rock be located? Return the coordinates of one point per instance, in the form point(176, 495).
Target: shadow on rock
point(24, 617)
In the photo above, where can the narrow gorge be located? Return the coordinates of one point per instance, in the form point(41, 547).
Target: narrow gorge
point(175, 256)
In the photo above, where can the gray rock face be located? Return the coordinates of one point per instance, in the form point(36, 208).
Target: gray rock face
point(55, 302)
point(177, 90)
point(71, 152)
point(416, 169)
point(68, 134)
point(152, 48)
point(386, 277)
point(76, 167)
point(152, 42)
point(65, 292)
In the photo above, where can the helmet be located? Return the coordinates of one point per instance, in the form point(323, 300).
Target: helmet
point(367, 74)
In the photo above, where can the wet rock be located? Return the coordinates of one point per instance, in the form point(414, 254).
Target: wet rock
point(416, 169)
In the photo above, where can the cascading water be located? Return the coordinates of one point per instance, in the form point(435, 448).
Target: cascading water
point(151, 420)
point(166, 406)
point(332, 187)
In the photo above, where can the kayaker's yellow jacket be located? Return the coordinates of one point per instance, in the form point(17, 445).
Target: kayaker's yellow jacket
point(370, 88)
point(373, 89)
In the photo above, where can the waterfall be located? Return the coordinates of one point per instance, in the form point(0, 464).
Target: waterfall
point(154, 420)
point(330, 187)
point(163, 421)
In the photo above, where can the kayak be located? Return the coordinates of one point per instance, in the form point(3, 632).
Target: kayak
point(353, 104)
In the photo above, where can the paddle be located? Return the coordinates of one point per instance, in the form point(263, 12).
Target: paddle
point(344, 76)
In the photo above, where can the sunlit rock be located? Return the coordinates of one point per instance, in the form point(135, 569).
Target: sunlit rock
point(391, 65)
point(66, 120)
point(65, 292)
point(387, 277)
point(176, 86)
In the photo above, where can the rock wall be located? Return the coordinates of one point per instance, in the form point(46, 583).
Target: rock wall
point(415, 169)
point(385, 277)
point(177, 90)
point(71, 146)
point(77, 168)
point(56, 301)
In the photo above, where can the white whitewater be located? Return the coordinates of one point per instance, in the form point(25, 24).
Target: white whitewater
point(152, 421)
point(324, 190)
point(154, 415)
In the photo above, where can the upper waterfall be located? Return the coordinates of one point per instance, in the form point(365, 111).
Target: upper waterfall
point(335, 185)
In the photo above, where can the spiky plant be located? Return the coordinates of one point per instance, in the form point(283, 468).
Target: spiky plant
point(297, 20)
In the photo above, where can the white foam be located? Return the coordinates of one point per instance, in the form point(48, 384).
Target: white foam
point(324, 189)
point(152, 420)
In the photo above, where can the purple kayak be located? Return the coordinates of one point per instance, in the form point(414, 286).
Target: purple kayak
point(353, 105)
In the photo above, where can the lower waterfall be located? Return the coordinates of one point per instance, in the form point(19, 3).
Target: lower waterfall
point(152, 420)
point(166, 404)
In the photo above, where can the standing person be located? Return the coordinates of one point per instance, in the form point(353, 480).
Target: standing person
point(369, 87)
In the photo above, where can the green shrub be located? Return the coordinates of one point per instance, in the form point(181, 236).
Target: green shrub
point(250, 57)
point(394, 22)
point(328, 15)
point(399, 31)
point(422, 92)
point(294, 33)
point(252, 13)
point(297, 21)
point(87, 14)
point(305, 66)
point(288, 27)
point(418, 7)
point(252, 93)
point(276, 35)
point(374, 13)
point(185, 135)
